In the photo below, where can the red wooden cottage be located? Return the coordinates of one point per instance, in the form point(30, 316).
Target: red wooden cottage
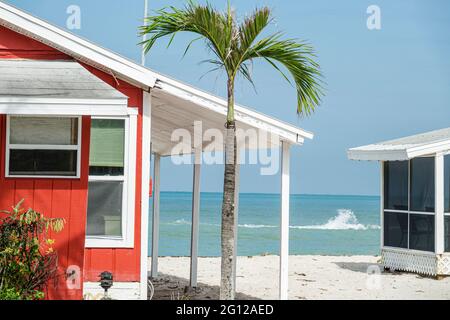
point(78, 125)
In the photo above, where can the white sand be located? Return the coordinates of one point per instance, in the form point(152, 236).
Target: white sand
point(310, 277)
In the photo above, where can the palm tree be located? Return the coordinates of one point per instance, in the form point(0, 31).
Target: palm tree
point(235, 45)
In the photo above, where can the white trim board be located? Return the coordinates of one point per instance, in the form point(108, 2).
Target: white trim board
point(119, 291)
point(66, 108)
point(145, 190)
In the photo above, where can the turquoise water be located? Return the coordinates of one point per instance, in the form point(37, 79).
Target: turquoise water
point(319, 224)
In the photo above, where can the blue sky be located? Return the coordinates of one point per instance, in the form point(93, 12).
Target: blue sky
point(380, 84)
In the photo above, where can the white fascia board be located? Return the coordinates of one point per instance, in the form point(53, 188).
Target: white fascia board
point(377, 155)
point(35, 100)
point(397, 153)
point(73, 45)
point(69, 107)
point(432, 148)
point(254, 119)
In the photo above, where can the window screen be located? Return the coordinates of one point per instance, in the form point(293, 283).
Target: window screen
point(422, 184)
point(447, 233)
point(447, 183)
point(106, 181)
point(43, 130)
point(104, 208)
point(421, 234)
point(396, 229)
point(396, 185)
point(43, 162)
point(43, 146)
point(107, 147)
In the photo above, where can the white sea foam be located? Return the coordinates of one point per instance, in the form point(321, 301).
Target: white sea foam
point(344, 220)
point(180, 221)
point(255, 226)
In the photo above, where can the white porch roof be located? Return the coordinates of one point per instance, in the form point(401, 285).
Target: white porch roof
point(404, 148)
point(62, 87)
point(176, 106)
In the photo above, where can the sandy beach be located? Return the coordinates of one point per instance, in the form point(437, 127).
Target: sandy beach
point(310, 277)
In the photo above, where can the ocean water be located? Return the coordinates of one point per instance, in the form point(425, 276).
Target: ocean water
point(319, 224)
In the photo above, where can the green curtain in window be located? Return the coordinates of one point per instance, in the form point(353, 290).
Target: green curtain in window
point(107, 143)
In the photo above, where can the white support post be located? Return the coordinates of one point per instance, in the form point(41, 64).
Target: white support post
point(145, 181)
point(155, 223)
point(284, 222)
point(236, 214)
point(439, 198)
point(382, 204)
point(195, 216)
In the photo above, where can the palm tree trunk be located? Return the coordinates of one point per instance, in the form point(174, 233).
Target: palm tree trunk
point(227, 289)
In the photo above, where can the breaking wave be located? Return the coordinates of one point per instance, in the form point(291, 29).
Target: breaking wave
point(344, 220)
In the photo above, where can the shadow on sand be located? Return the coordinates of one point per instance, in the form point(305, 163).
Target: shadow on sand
point(363, 267)
point(168, 287)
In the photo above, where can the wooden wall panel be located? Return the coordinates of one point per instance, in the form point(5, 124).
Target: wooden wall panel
point(56, 198)
point(69, 198)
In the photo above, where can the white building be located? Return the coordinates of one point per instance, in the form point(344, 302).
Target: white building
point(415, 201)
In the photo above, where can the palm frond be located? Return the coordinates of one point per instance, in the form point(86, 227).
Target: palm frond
point(252, 27)
point(245, 71)
point(298, 59)
point(202, 20)
point(236, 45)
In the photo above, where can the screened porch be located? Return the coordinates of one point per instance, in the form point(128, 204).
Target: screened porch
point(415, 201)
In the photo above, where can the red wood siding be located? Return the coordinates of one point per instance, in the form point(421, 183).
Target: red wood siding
point(17, 46)
point(57, 198)
point(55, 195)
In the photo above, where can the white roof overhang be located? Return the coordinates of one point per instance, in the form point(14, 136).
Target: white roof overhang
point(55, 87)
point(404, 148)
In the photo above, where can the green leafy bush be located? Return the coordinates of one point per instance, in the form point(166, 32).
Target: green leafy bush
point(27, 258)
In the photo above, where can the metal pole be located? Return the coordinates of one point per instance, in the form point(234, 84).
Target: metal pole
point(144, 37)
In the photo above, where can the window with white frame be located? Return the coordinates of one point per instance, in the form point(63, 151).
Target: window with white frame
point(409, 203)
point(110, 213)
point(47, 147)
point(447, 203)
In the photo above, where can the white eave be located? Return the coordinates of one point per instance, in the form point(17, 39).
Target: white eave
point(406, 148)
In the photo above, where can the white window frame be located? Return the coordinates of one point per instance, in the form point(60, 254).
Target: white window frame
point(10, 147)
point(408, 212)
point(446, 154)
point(129, 188)
point(446, 214)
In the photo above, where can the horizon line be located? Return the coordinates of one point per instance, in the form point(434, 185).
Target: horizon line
point(273, 193)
